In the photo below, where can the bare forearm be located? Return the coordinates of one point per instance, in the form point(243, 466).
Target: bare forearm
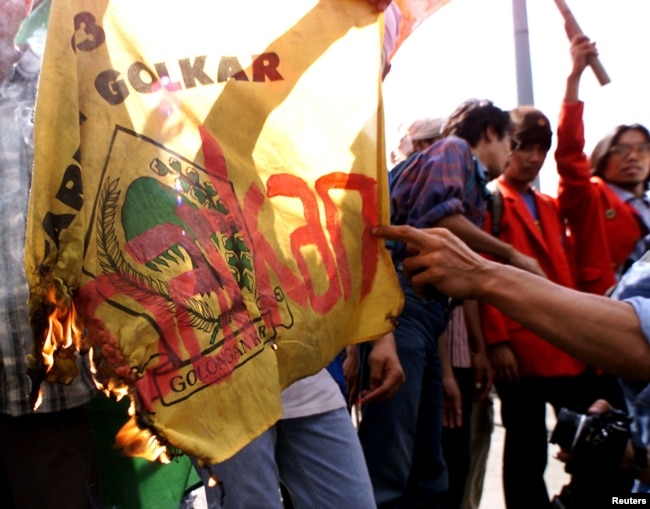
point(599, 331)
point(595, 329)
point(582, 49)
point(474, 237)
point(572, 88)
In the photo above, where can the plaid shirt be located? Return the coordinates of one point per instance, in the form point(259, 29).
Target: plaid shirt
point(440, 181)
point(642, 206)
point(17, 95)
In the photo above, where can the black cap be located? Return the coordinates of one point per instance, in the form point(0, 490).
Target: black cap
point(530, 126)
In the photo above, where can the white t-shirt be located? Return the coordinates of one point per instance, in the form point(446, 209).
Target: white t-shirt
point(313, 395)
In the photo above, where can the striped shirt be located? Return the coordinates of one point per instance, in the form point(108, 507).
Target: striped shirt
point(457, 340)
point(17, 94)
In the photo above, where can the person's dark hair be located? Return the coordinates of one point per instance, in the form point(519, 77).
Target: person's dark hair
point(471, 119)
point(602, 151)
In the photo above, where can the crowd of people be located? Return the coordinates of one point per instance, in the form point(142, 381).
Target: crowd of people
point(508, 291)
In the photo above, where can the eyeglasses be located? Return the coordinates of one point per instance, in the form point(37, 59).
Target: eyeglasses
point(622, 150)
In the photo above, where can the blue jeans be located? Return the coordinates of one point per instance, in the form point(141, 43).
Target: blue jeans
point(317, 458)
point(401, 438)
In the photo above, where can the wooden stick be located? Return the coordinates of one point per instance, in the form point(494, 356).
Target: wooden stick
point(572, 28)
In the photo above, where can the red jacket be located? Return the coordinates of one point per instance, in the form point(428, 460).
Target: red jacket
point(604, 228)
point(549, 245)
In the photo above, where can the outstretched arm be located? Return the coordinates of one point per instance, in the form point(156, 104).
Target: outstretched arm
point(581, 49)
point(597, 330)
point(483, 242)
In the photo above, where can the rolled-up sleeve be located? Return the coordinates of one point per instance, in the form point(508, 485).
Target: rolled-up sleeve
point(642, 308)
point(634, 288)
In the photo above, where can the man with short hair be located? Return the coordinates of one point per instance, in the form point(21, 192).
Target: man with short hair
point(605, 198)
point(529, 372)
point(416, 136)
point(419, 135)
point(442, 185)
point(607, 204)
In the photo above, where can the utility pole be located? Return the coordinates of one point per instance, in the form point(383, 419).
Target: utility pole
point(522, 54)
point(522, 60)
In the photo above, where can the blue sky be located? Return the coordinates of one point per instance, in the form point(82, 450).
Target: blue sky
point(466, 49)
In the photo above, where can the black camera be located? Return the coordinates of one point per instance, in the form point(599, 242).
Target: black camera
point(596, 443)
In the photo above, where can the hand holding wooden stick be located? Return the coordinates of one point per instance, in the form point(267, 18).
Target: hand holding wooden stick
point(572, 28)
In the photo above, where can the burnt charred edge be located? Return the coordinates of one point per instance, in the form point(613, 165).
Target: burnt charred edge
point(41, 308)
point(39, 321)
point(143, 422)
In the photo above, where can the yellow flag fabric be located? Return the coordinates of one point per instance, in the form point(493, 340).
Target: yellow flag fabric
point(206, 178)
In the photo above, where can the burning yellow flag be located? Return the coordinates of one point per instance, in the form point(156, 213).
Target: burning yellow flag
point(206, 177)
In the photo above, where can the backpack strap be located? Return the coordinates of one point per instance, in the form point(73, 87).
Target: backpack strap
point(495, 206)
